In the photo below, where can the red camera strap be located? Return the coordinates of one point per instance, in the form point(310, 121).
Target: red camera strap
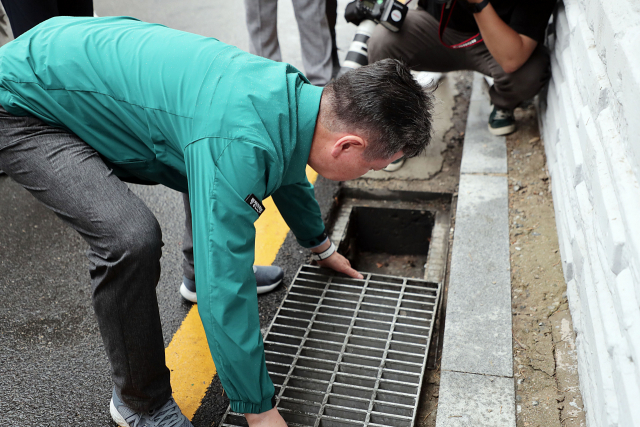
point(444, 17)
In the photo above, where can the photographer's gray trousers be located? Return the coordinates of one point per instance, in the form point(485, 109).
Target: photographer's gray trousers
point(315, 36)
point(418, 45)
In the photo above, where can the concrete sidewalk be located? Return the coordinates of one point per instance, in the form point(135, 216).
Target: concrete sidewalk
point(476, 386)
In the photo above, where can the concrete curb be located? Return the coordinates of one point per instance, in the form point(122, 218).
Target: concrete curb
point(476, 386)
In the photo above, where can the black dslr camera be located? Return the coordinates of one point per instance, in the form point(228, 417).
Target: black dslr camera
point(389, 13)
point(366, 14)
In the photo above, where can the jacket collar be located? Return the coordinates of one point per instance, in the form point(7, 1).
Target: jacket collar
point(308, 107)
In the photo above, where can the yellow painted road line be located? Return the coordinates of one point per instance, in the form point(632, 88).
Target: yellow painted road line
point(188, 355)
point(190, 362)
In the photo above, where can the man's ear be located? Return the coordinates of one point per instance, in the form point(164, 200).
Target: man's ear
point(348, 144)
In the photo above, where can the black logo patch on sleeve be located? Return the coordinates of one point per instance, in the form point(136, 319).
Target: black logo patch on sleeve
point(255, 204)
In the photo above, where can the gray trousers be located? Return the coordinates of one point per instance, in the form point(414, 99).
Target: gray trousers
point(187, 242)
point(5, 29)
point(315, 36)
point(418, 45)
point(70, 178)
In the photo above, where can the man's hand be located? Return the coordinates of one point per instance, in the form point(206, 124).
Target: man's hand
point(340, 264)
point(271, 418)
point(336, 261)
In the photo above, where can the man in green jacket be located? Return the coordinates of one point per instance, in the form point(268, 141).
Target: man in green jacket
point(88, 103)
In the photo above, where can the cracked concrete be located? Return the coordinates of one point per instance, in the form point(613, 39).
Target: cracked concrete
point(428, 164)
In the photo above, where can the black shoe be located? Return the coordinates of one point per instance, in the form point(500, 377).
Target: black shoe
point(267, 279)
point(501, 122)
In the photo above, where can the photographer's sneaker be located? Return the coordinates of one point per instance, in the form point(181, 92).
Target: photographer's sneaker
point(501, 122)
point(168, 415)
point(268, 277)
point(395, 165)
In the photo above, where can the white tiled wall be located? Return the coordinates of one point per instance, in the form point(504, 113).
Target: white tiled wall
point(591, 128)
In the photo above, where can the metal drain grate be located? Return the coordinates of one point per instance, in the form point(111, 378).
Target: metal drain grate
point(344, 352)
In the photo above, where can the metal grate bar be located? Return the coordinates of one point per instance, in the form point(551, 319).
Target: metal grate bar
point(344, 352)
point(328, 408)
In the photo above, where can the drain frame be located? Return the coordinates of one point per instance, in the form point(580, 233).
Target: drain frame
point(309, 354)
point(438, 204)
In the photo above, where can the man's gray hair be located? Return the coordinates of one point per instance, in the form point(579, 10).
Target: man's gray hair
point(383, 104)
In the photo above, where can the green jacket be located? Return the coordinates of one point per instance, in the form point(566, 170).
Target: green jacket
point(194, 114)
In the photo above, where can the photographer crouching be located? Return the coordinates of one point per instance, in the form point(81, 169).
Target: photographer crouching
point(498, 38)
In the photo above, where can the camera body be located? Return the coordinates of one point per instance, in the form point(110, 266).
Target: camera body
point(367, 14)
point(389, 13)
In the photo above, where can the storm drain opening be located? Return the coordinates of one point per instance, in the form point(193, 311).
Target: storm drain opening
point(388, 240)
point(344, 352)
point(406, 236)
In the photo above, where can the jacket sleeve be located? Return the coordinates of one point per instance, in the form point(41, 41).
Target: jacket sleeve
point(299, 208)
point(221, 174)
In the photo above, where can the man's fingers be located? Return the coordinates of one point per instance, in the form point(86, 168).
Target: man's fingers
point(346, 269)
point(353, 273)
point(340, 264)
point(350, 271)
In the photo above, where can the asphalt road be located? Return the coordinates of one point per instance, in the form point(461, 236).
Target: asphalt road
point(53, 370)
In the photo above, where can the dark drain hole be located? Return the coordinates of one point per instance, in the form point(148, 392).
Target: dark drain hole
point(388, 241)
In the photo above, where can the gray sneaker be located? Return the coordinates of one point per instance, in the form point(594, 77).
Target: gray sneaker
point(188, 290)
point(168, 415)
point(268, 277)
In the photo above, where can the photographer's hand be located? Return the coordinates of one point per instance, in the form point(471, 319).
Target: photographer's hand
point(510, 49)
